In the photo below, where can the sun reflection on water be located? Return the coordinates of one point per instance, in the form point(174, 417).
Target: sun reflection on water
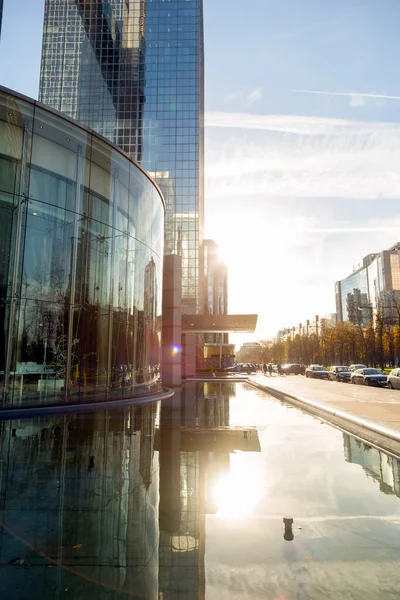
point(236, 493)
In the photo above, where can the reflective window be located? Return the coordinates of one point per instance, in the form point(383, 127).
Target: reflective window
point(373, 288)
point(395, 268)
point(355, 298)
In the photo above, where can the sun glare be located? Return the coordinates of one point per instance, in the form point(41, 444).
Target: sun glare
point(237, 493)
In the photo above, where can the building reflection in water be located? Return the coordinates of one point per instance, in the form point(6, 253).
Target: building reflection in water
point(80, 493)
point(382, 468)
point(195, 442)
point(112, 504)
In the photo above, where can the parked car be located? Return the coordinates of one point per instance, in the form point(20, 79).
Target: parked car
point(293, 369)
point(393, 380)
point(243, 368)
point(317, 372)
point(341, 373)
point(369, 377)
point(356, 367)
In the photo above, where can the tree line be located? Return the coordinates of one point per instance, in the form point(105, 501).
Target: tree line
point(376, 344)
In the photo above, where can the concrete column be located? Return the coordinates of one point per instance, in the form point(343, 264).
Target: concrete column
point(189, 354)
point(172, 321)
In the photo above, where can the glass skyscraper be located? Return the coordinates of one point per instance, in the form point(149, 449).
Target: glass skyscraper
point(215, 288)
point(133, 70)
point(374, 286)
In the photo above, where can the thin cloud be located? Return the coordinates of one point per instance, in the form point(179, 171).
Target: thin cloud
point(254, 95)
point(301, 157)
point(332, 230)
point(299, 125)
point(351, 229)
point(351, 95)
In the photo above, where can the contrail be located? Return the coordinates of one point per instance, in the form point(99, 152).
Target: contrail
point(347, 94)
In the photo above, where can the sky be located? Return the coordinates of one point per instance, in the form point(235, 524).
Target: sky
point(302, 142)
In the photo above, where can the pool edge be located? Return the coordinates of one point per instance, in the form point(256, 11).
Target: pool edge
point(384, 438)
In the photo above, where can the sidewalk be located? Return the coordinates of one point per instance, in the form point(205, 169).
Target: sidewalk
point(370, 413)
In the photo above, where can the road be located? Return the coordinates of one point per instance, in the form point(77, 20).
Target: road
point(380, 406)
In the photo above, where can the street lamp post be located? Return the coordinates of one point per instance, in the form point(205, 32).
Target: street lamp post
point(370, 307)
point(301, 342)
point(316, 327)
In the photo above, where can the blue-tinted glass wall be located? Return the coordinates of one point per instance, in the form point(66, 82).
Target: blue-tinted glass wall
point(355, 298)
point(373, 287)
point(133, 71)
point(91, 65)
point(173, 125)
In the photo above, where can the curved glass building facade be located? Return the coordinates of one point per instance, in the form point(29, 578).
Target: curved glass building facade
point(81, 246)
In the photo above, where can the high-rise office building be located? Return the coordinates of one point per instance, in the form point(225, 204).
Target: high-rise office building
point(215, 286)
point(217, 350)
point(133, 71)
point(374, 286)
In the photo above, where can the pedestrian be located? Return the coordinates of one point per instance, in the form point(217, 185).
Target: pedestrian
point(270, 370)
point(279, 368)
point(264, 369)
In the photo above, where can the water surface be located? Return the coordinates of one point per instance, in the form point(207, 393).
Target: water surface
point(186, 500)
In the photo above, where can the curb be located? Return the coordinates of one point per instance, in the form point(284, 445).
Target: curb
point(333, 412)
point(63, 409)
point(218, 379)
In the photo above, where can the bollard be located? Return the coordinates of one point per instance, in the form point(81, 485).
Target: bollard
point(288, 534)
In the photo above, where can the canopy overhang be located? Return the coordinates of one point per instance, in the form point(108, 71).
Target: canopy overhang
point(219, 323)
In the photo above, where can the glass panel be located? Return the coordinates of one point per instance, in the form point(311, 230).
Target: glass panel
point(39, 358)
point(6, 227)
point(16, 122)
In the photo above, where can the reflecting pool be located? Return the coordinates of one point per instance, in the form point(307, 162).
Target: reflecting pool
point(186, 500)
